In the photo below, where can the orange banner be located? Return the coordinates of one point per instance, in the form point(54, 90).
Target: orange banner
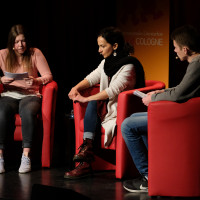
point(145, 25)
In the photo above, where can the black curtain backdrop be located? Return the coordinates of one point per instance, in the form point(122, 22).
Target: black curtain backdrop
point(181, 12)
point(66, 32)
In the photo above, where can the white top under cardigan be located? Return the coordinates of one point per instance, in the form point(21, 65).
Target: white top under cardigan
point(124, 79)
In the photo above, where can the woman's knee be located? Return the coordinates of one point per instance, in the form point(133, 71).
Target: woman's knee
point(27, 116)
point(92, 105)
point(30, 105)
point(29, 111)
point(91, 112)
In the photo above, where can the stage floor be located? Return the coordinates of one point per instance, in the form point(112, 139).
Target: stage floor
point(50, 184)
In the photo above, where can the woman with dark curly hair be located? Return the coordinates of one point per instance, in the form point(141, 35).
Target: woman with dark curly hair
point(117, 72)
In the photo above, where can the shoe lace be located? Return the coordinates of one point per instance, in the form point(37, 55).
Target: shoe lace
point(82, 146)
point(79, 165)
point(26, 160)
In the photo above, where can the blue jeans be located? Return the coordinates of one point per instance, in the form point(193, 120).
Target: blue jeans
point(134, 132)
point(90, 120)
point(28, 109)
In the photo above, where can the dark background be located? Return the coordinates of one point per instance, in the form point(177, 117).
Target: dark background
point(66, 32)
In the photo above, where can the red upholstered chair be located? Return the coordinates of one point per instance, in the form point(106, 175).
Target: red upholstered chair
point(173, 147)
point(46, 122)
point(116, 156)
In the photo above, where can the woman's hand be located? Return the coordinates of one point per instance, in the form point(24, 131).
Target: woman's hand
point(6, 80)
point(73, 93)
point(30, 81)
point(80, 98)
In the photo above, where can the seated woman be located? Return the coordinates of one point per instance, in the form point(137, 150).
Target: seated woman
point(118, 71)
point(21, 95)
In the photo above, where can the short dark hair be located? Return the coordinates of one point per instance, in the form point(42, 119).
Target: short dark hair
point(187, 35)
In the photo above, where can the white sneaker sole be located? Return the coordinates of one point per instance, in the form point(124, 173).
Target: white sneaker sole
point(2, 171)
point(137, 191)
point(23, 172)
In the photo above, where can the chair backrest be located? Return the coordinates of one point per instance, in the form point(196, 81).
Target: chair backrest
point(127, 105)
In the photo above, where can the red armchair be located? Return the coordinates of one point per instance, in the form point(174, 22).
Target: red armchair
point(116, 156)
point(46, 125)
point(173, 147)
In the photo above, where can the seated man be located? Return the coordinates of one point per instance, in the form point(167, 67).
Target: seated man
point(186, 41)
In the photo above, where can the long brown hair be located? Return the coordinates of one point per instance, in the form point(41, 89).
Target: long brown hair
point(11, 59)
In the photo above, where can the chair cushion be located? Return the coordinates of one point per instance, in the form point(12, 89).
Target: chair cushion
point(18, 121)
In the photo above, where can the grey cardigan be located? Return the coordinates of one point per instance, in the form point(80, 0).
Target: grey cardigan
point(188, 88)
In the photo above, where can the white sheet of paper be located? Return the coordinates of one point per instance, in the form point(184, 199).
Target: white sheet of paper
point(139, 94)
point(16, 76)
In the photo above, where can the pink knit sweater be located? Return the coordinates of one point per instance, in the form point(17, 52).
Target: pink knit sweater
point(39, 64)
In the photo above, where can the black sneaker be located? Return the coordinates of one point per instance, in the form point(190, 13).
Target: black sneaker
point(136, 185)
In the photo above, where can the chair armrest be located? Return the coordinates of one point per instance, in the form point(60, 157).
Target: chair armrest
point(169, 124)
point(79, 111)
point(1, 87)
point(49, 95)
point(156, 84)
point(79, 108)
point(163, 114)
point(128, 103)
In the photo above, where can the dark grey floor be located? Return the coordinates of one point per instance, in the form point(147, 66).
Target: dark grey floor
point(50, 184)
point(102, 185)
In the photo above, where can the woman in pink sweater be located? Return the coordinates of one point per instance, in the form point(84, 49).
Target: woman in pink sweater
point(21, 94)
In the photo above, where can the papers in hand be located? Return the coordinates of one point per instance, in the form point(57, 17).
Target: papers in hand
point(16, 76)
point(139, 94)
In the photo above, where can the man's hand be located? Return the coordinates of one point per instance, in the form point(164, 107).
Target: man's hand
point(147, 99)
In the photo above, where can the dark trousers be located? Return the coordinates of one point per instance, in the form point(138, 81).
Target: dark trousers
point(28, 109)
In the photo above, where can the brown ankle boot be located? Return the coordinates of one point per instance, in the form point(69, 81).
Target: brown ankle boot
point(82, 170)
point(85, 153)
